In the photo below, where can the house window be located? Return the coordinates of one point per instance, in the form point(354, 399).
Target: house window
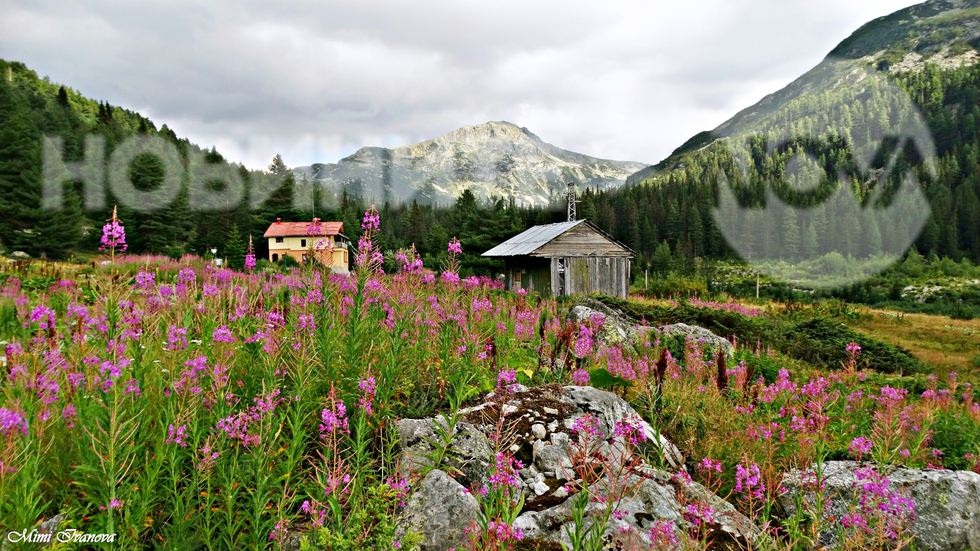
point(302, 243)
point(305, 258)
point(278, 240)
point(275, 258)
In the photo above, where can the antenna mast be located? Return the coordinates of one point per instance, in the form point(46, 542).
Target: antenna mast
point(571, 202)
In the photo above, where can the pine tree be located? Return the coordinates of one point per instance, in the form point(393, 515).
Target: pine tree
point(791, 235)
point(62, 97)
point(662, 260)
point(234, 249)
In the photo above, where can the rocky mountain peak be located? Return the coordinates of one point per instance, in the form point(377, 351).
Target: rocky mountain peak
point(494, 159)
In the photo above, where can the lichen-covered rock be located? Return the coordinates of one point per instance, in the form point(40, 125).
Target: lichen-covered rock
point(697, 333)
point(439, 509)
point(548, 478)
point(610, 410)
point(653, 499)
point(470, 452)
point(947, 503)
point(617, 327)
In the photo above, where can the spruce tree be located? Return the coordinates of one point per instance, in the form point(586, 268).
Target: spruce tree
point(791, 235)
point(234, 249)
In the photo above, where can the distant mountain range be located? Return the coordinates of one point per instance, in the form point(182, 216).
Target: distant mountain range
point(493, 159)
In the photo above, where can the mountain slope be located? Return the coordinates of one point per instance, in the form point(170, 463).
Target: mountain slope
point(493, 159)
point(945, 33)
point(912, 74)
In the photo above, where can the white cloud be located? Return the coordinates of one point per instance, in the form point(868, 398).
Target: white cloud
point(628, 80)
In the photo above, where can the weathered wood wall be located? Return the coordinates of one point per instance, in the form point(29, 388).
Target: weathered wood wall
point(582, 240)
point(606, 275)
point(536, 274)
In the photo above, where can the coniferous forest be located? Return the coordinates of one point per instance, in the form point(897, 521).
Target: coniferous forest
point(666, 219)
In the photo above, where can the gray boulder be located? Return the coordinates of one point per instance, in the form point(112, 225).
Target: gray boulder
point(470, 452)
point(439, 509)
point(541, 420)
point(947, 503)
point(610, 410)
point(653, 499)
point(698, 334)
point(618, 328)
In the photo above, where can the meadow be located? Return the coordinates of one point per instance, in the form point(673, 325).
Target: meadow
point(180, 405)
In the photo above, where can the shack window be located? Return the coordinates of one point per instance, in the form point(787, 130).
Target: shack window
point(275, 258)
point(278, 240)
point(302, 243)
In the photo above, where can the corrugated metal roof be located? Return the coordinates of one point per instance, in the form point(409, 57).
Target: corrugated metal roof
point(531, 239)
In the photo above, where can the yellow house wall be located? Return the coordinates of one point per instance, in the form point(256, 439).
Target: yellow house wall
point(293, 246)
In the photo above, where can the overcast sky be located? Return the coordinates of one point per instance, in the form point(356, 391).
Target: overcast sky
point(315, 80)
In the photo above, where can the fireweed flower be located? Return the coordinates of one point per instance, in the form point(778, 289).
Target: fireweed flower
point(368, 390)
point(748, 481)
point(630, 432)
point(249, 261)
point(580, 377)
point(145, 280)
point(334, 419)
point(186, 276)
point(707, 465)
point(176, 435)
point(455, 246)
point(504, 473)
point(586, 425)
point(583, 345)
point(222, 334)
point(860, 447)
point(113, 235)
point(113, 504)
point(11, 421)
point(507, 380)
point(698, 513)
point(663, 534)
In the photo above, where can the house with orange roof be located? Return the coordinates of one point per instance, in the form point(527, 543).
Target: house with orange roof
point(324, 241)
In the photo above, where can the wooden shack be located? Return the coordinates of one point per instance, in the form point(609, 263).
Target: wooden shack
point(564, 259)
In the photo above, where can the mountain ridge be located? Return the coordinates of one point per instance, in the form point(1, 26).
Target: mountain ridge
point(497, 158)
point(943, 32)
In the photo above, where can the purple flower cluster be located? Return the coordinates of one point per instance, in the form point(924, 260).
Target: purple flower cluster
point(176, 435)
point(860, 447)
point(748, 481)
point(455, 247)
point(11, 421)
point(334, 419)
point(113, 236)
point(366, 400)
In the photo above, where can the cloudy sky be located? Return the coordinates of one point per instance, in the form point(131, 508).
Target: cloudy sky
point(315, 80)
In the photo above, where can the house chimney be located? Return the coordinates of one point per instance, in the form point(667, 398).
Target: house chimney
point(278, 220)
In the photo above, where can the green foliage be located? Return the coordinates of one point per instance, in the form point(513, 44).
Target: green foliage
point(805, 333)
point(234, 249)
point(371, 527)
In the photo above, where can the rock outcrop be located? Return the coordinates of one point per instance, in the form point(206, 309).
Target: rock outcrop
point(541, 421)
point(947, 503)
point(698, 334)
point(618, 328)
